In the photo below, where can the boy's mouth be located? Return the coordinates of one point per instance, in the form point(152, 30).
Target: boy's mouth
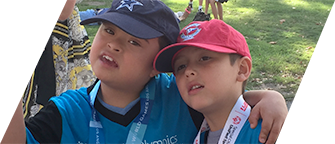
point(109, 61)
point(195, 87)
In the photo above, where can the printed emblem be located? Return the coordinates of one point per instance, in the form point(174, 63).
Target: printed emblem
point(190, 31)
point(236, 120)
point(129, 4)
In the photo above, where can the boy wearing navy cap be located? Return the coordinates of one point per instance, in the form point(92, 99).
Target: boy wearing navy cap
point(130, 102)
point(211, 70)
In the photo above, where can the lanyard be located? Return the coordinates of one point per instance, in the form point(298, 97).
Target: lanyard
point(138, 126)
point(233, 125)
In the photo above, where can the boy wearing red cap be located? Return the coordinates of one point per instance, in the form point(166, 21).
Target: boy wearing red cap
point(211, 70)
point(130, 102)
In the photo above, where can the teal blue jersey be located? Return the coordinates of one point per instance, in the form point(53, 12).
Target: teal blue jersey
point(170, 120)
point(247, 135)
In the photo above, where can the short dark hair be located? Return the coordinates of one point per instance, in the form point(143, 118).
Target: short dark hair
point(233, 57)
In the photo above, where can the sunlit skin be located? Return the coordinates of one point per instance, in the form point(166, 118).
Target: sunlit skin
point(122, 62)
point(208, 83)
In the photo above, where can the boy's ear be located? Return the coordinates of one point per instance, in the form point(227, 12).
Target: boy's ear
point(244, 69)
point(154, 73)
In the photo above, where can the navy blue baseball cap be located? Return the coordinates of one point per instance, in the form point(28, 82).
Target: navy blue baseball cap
point(145, 19)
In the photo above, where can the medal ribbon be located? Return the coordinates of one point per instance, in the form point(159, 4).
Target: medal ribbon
point(237, 117)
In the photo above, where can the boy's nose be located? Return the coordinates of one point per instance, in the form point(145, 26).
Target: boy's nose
point(114, 47)
point(189, 72)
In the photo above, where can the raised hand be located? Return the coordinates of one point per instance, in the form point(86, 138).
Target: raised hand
point(14, 53)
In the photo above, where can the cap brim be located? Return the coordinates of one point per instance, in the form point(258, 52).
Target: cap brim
point(164, 59)
point(127, 24)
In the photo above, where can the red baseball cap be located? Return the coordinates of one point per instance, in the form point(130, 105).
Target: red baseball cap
point(214, 35)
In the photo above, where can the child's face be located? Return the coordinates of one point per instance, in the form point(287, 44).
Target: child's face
point(122, 60)
point(205, 78)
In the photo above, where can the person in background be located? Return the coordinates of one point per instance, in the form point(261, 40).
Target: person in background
point(200, 5)
point(64, 63)
point(216, 6)
point(91, 13)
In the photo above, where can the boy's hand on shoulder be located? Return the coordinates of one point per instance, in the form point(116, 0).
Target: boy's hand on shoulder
point(273, 110)
point(15, 55)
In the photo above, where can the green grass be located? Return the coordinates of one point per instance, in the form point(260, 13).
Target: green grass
point(278, 66)
point(286, 65)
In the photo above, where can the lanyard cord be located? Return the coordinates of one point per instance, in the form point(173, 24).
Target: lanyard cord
point(237, 117)
point(139, 125)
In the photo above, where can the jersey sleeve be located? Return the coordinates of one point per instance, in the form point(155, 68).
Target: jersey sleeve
point(45, 126)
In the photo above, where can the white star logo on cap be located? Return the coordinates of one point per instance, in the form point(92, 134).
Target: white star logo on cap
point(129, 4)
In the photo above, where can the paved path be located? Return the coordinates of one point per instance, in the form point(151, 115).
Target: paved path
point(305, 117)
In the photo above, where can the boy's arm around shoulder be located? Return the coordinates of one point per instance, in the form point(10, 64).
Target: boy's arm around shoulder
point(271, 107)
point(15, 61)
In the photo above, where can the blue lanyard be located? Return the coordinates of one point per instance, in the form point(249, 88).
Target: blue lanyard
point(139, 125)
